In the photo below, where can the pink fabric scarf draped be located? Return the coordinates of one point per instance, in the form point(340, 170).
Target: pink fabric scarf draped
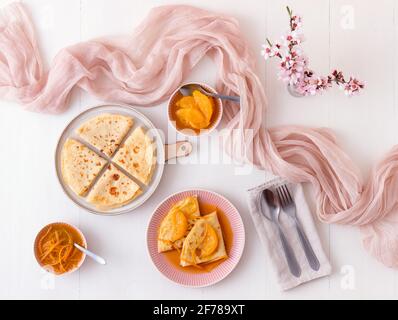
point(146, 67)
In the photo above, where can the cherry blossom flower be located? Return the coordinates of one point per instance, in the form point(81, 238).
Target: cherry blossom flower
point(292, 38)
point(352, 87)
point(270, 51)
point(293, 67)
point(296, 22)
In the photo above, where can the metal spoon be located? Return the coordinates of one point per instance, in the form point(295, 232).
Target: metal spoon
point(189, 88)
point(289, 207)
point(274, 207)
point(93, 256)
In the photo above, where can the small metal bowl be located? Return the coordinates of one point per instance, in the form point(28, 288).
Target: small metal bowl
point(216, 118)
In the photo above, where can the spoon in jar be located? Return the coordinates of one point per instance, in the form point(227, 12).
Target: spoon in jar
point(92, 255)
point(189, 88)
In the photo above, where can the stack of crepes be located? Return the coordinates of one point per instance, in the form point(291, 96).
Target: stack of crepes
point(144, 68)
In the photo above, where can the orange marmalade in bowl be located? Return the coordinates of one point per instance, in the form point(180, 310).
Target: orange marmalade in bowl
point(194, 114)
point(54, 248)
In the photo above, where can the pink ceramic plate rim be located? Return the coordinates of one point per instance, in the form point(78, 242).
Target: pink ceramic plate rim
point(202, 279)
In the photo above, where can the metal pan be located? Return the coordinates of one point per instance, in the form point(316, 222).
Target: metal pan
point(163, 154)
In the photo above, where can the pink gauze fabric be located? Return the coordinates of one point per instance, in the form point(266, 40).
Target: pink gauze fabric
point(146, 67)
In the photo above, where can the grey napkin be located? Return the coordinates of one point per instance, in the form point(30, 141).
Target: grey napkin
point(269, 236)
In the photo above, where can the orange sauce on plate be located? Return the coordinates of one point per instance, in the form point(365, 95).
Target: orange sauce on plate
point(54, 248)
point(205, 208)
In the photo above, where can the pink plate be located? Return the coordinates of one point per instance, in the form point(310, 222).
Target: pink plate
point(197, 279)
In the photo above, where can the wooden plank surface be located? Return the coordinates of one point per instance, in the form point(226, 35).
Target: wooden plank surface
point(358, 37)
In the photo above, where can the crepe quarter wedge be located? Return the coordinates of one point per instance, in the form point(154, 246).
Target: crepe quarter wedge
point(106, 132)
point(137, 156)
point(204, 243)
point(113, 189)
point(176, 225)
point(80, 166)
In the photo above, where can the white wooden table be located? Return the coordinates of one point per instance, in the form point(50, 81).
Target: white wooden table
point(359, 37)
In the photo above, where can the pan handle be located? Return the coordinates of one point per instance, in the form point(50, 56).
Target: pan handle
point(178, 150)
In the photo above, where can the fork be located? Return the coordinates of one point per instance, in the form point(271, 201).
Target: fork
point(289, 207)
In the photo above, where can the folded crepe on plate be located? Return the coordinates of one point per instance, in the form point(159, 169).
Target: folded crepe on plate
point(204, 243)
point(113, 189)
point(106, 132)
point(177, 224)
point(80, 166)
point(137, 156)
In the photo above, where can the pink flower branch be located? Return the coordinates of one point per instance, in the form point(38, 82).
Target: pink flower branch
point(294, 69)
